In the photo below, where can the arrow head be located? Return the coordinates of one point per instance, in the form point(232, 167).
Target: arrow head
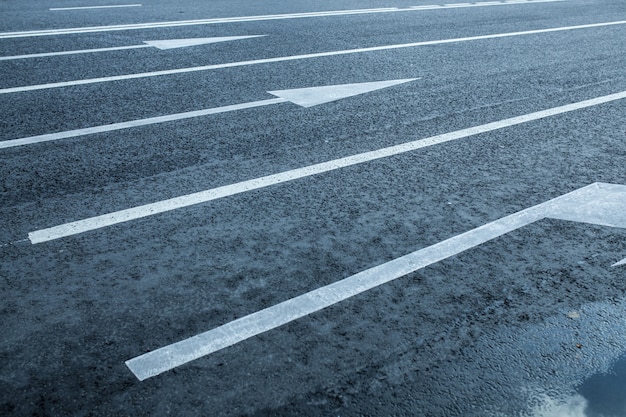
point(312, 96)
point(600, 203)
point(182, 43)
point(622, 262)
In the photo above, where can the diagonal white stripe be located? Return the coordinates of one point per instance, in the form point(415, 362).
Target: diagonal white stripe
point(114, 6)
point(139, 212)
point(296, 57)
point(135, 123)
point(55, 32)
point(158, 361)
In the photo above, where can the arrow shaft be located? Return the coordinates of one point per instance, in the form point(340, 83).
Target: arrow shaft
point(168, 357)
point(159, 44)
point(135, 123)
point(76, 52)
point(158, 361)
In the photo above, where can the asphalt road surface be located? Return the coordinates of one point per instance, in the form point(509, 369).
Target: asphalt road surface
point(439, 231)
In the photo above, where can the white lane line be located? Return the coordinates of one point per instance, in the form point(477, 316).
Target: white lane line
point(76, 52)
point(54, 32)
point(480, 4)
point(105, 220)
point(114, 6)
point(166, 358)
point(135, 123)
point(296, 57)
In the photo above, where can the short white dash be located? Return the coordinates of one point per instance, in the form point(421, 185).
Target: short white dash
point(113, 6)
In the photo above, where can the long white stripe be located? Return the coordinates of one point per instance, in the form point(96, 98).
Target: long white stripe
point(480, 4)
point(295, 57)
point(135, 123)
point(105, 220)
point(81, 51)
point(54, 32)
point(158, 361)
point(168, 357)
point(115, 6)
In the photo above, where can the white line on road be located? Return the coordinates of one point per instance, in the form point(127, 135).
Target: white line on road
point(593, 198)
point(304, 97)
point(54, 32)
point(105, 220)
point(134, 123)
point(114, 6)
point(76, 52)
point(159, 44)
point(296, 57)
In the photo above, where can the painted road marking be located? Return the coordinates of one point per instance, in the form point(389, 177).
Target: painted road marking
point(134, 123)
point(305, 97)
point(295, 57)
point(603, 204)
point(160, 44)
point(105, 220)
point(480, 4)
point(54, 32)
point(114, 6)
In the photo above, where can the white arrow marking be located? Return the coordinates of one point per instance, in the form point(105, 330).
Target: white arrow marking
point(296, 57)
point(105, 220)
point(160, 44)
point(622, 262)
point(305, 97)
point(591, 204)
point(183, 43)
point(308, 97)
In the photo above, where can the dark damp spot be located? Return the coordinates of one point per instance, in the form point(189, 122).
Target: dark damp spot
point(606, 393)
